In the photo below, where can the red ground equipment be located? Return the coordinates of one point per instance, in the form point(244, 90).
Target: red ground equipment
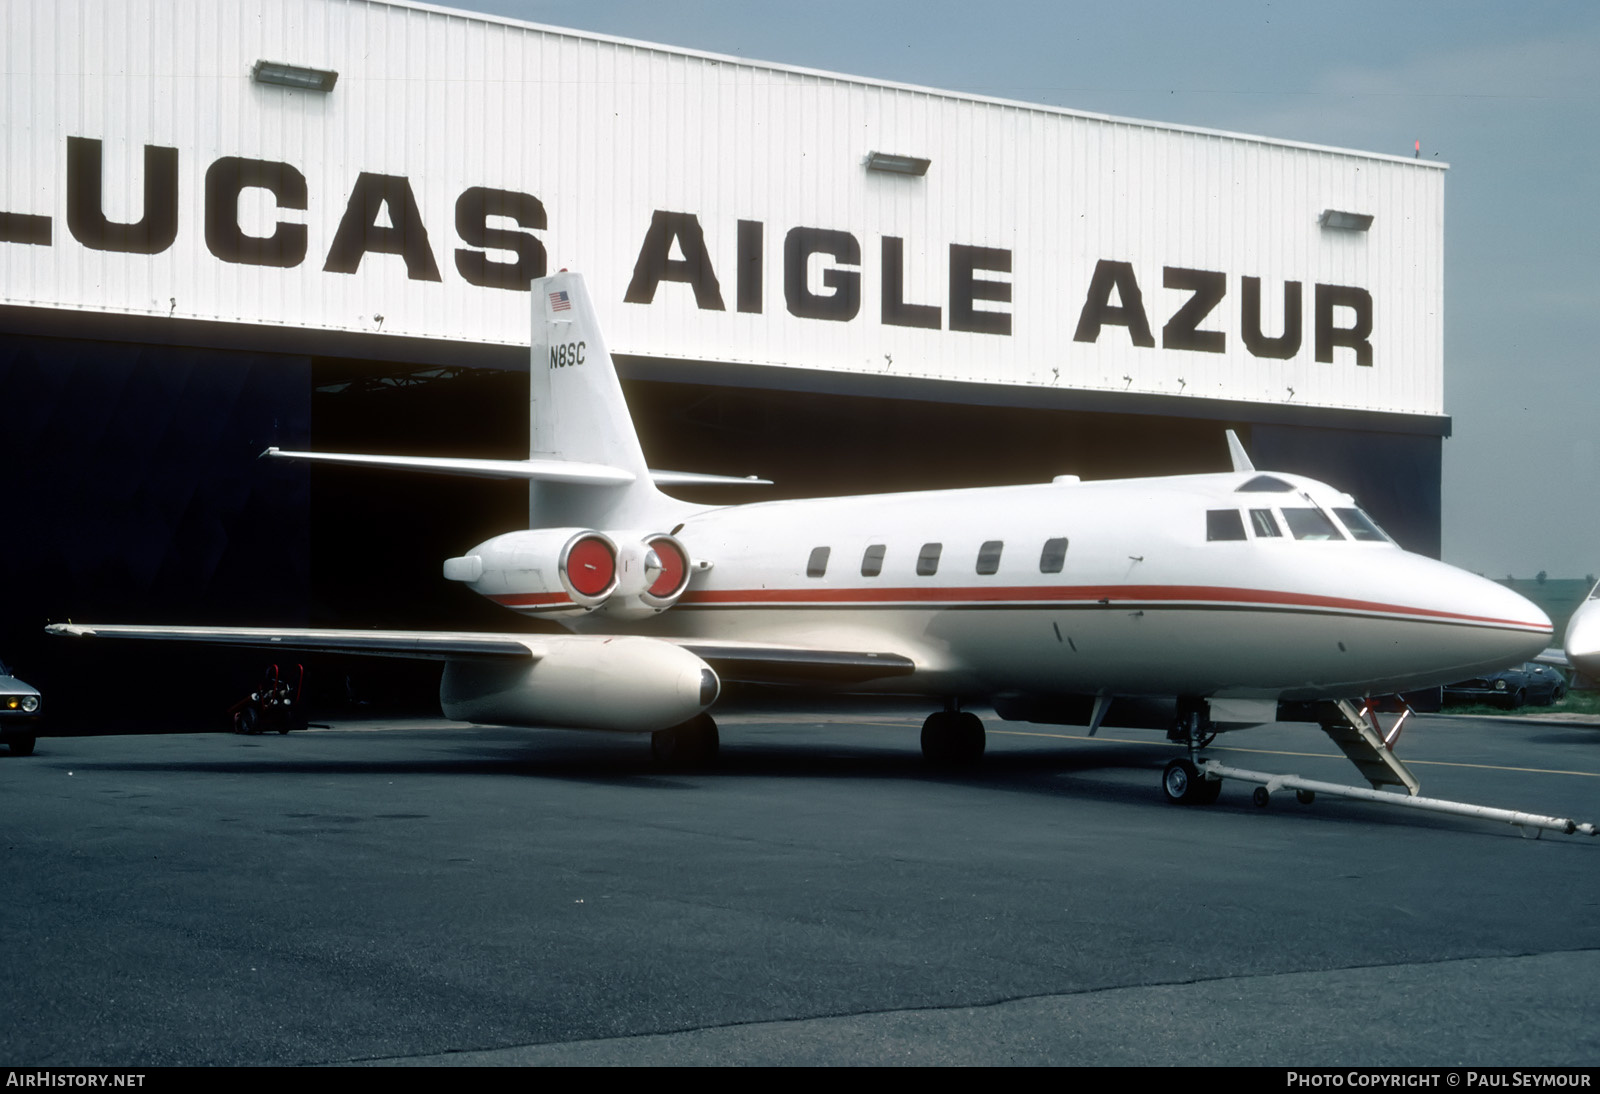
point(275, 705)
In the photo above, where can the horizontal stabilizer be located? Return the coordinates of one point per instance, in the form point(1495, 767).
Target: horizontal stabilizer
point(573, 471)
point(533, 470)
point(695, 478)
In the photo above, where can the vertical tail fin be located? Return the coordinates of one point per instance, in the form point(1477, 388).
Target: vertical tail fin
point(577, 412)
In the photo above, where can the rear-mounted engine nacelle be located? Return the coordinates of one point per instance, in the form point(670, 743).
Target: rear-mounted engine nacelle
point(559, 570)
point(544, 570)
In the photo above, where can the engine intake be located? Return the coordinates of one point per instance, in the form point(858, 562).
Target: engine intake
point(671, 575)
point(588, 568)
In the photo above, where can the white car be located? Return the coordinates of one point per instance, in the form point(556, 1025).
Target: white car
point(19, 712)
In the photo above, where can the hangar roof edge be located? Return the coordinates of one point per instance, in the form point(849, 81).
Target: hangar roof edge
point(725, 58)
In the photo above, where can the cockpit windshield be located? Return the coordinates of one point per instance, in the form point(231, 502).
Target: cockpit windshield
point(1361, 526)
point(1310, 524)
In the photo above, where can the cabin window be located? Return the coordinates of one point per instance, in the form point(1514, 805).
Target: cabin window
point(1310, 524)
point(872, 561)
point(989, 556)
point(1224, 524)
point(817, 564)
point(1361, 526)
point(1265, 524)
point(1265, 484)
point(928, 559)
point(1054, 556)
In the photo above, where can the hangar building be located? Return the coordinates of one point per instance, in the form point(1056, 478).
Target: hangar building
point(312, 224)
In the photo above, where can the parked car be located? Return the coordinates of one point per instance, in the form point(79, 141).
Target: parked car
point(1511, 688)
point(19, 712)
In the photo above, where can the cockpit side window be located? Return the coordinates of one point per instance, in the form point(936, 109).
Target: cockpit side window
point(1311, 524)
point(1224, 524)
point(1361, 526)
point(1265, 524)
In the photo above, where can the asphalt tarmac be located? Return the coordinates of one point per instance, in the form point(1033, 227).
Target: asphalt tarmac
point(419, 893)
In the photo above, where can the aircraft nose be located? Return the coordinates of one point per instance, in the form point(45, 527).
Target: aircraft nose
point(1507, 627)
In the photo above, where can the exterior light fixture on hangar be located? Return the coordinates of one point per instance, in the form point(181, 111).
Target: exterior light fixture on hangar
point(267, 222)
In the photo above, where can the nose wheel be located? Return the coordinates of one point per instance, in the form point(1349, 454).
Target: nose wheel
point(1184, 785)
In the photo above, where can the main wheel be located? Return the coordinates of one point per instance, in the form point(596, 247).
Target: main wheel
point(1183, 784)
point(249, 721)
point(953, 739)
point(694, 743)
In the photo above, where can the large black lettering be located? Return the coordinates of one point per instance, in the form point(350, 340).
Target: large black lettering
point(752, 246)
point(1287, 344)
point(473, 209)
point(25, 228)
point(1183, 329)
point(656, 263)
point(360, 233)
point(229, 176)
point(966, 287)
point(1353, 337)
point(1098, 310)
point(896, 312)
point(844, 301)
point(86, 217)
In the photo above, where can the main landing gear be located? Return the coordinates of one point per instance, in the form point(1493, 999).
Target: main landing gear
point(952, 738)
point(1183, 782)
point(687, 745)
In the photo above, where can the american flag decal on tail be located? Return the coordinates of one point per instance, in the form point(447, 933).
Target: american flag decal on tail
point(560, 301)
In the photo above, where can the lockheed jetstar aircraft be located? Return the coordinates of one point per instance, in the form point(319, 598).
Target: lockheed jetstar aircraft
point(1192, 603)
point(1580, 650)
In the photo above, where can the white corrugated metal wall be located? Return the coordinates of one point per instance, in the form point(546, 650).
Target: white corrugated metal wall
point(607, 133)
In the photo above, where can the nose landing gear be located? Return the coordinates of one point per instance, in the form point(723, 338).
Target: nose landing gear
point(1183, 781)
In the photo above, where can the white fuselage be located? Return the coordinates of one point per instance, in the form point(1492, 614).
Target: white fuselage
point(1583, 638)
point(1122, 587)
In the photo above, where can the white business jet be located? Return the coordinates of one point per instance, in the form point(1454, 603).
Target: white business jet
point(1581, 648)
point(1191, 603)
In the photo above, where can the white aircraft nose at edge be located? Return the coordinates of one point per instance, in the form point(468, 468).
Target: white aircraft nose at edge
point(1193, 603)
point(1580, 650)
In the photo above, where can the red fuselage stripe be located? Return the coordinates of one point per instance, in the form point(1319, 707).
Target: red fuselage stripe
point(1161, 595)
point(1172, 596)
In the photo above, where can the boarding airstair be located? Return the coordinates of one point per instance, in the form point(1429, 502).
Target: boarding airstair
point(1360, 736)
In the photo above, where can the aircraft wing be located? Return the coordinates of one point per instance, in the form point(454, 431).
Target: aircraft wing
point(1556, 656)
point(746, 662)
point(420, 645)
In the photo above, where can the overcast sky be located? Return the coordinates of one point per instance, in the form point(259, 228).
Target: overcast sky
point(1507, 93)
